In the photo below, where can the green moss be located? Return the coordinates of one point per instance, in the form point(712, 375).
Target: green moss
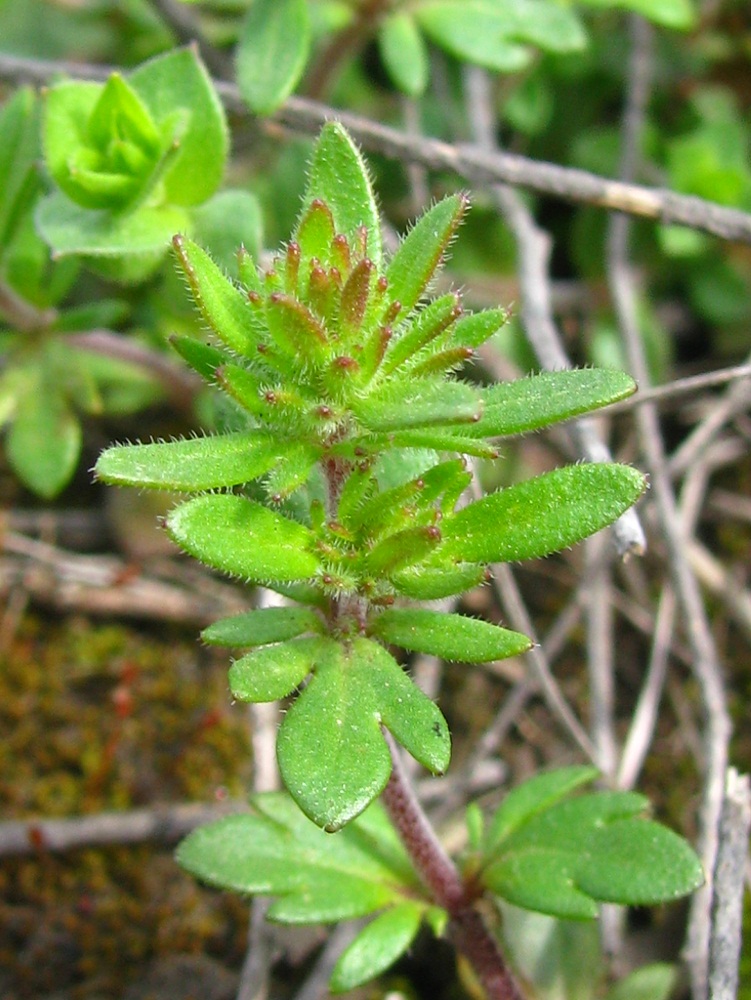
point(101, 718)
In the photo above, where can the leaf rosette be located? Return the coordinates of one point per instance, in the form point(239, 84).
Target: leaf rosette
point(129, 157)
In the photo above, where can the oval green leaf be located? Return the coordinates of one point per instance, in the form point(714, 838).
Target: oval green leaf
point(273, 672)
point(272, 51)
point(637, 862)
point(242, 538)
point(475, 31)
point(332, 755)
point(178, 80)
point(264, 625)
point(404, 53)
point(377, 947)
point(190, 465)
point(541, 515)
point(530, 403)
point(452, 637)
point(44, 441)
point(534, 796)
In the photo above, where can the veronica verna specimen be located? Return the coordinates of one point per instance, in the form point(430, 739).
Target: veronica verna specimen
point(336, 481)
point(337, 478)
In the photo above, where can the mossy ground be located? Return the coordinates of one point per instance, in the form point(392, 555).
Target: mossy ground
point(101, 717)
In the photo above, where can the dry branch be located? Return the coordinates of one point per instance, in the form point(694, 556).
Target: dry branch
point(477, 166)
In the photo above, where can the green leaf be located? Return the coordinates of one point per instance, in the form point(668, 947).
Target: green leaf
point(541, 879)
point(539, 400)
point(415, 262)
point(44, 441)
point(294, 328)
point(202, 358)
point(400, 549)
point(272, 52)
point(533, 796)
point(242, 538)
point(338, 176)
point(70, 229)
point(222, 305)
point(331, 751)
point(377, 947)
point(316, 876)
point(76, 158)
point(440, 439)
point(651, 982)
point(264, 625)
point(550, 26)
point(315, 231)
point(475, 31)
point(413, 719)
point(541, 515)
point(599, 847)
point(561, 959)
point(431, 322)
point(190, 465)
point(178, 80)
point(475, 329)
point(19, 127)
point(678, 14)
point(566, 822)
point(638, 863)
point(404, 53)
point(420, 403)
point(273, 672)
point(427, 584)
point(452, 637)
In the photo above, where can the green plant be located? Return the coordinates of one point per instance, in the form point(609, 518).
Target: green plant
point(336, 480)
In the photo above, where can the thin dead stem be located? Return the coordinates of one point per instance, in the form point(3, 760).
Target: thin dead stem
point(477, 166)
point(705, 662)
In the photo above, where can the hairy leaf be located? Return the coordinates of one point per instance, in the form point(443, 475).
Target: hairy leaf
point(191, 465)
point(339, 177)
point(530, 403)
point(541, 515)
point(222, 305)
point(421, 251)
point(331, 751)
point(452, 637)
point(273, 672)
point(264, 625)
point(241, 537)
point(421, 403)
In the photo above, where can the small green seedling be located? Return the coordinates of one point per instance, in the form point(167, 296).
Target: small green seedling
point(336, 482)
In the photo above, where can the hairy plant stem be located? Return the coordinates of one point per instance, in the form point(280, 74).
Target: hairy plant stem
point(449, 890)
